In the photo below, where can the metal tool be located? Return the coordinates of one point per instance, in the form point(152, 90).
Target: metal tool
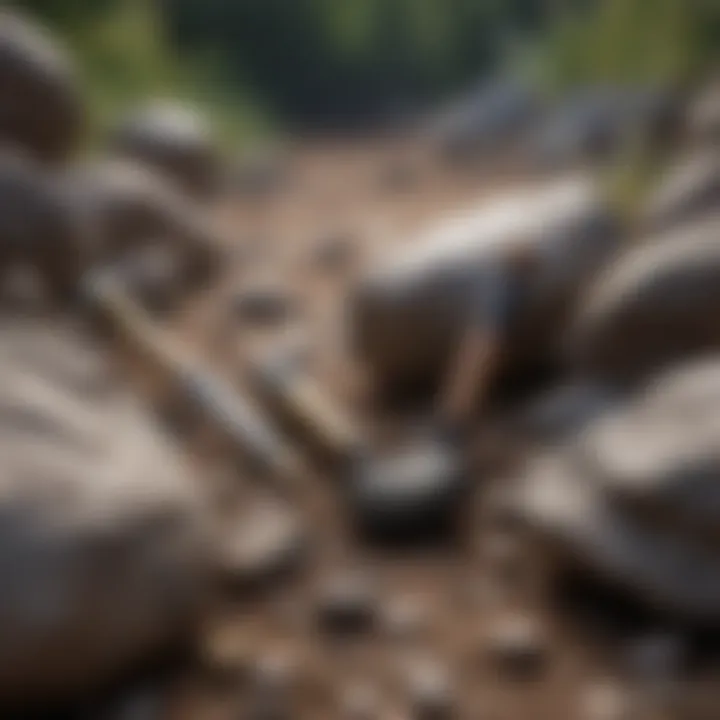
point(413, 491)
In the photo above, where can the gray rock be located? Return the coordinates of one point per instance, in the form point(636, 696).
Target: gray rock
point(174, 140)
point(268, 541)
point(104, 551)
point(39, 226)
point(689, 189)
point(633, 501)
point(564, 411)
point(42, 111)
point(659, 455)
point(653, 306)
point(407, 312)
point(606, 701)
point(431, 691)
point(486, 121)
point(131, 208)
point(517, 646)
point(347, 604)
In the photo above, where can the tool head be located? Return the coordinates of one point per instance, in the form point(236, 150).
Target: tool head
point(413, 493)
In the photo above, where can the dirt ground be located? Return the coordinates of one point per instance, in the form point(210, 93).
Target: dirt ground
point(460, 592)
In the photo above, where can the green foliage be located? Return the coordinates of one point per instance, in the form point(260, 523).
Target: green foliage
point(633, 40)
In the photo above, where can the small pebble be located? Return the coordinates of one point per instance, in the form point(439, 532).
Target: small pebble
point(517, 647)
point(430, 691)
point(347, 604)
point(360, 702)
point(271, 687)
point(405, 618)
point(606, 701)
point(268, 541)
point(264, 303)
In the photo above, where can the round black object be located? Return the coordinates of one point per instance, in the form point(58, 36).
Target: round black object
point(412, 496)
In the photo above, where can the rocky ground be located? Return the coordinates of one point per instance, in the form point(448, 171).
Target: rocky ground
point(315, 622)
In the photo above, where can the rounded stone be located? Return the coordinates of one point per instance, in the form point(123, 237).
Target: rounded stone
point(43, 111)
point(175, 140)
point(517, 646)
point(431, 691)
point(347, 604)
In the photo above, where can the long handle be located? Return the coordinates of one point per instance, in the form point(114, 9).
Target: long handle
point(475, 364)
point(304, 403)
point(471, 374)
point(235, 416)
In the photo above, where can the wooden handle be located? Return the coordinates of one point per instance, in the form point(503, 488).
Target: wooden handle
point(470, 374)
point(302, 402)
point(217, 399)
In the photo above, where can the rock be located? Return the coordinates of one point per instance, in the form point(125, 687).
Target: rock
point(563, 411)
point(272, 687)
point(652, 307)
point(581, 528)
point(39, 227)
point(407, 311)
point(175, 140)
point(405, 618)
point(606, 701)
point(431, 691)
point(517, 647)
point(132, 208)
point(486, 121)
point(413, 494)
point(347, 604)
point(103, 536)
point(688, 190)
point(360, 702)
point(265, 301)
point(267, 542)
point(42, 109)
point(657, 456)
point(703, 118)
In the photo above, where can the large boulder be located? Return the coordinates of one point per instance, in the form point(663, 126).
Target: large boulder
point(634, 501)
point(175, 140)
point(39, 226)
point(688, 190)
point(655, 305)
point(103, 537)
point(409, 310)
point(40, 105)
